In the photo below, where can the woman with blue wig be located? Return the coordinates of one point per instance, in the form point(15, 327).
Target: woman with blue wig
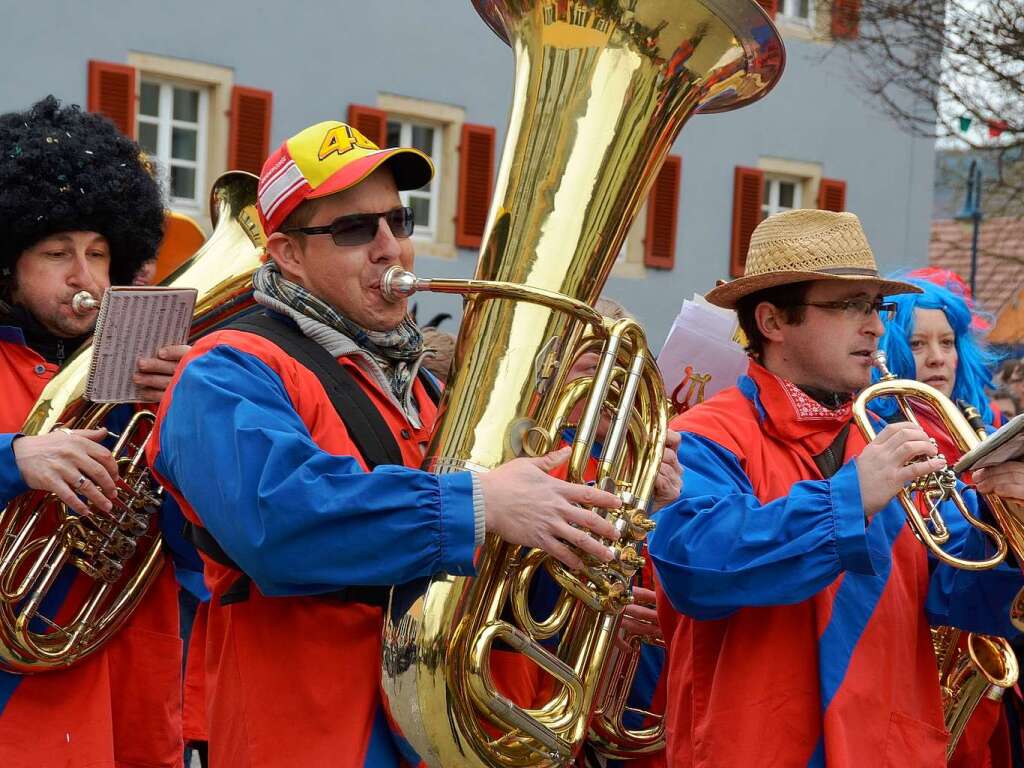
point(931, 339)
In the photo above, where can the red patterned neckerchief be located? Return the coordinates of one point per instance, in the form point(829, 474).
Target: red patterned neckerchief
point(793, 414)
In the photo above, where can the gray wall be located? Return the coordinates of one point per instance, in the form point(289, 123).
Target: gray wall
point(318, 56)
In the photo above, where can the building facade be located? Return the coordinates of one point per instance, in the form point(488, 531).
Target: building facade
point(206, 86)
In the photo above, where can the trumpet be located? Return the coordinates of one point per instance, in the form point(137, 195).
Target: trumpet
point(938, 487)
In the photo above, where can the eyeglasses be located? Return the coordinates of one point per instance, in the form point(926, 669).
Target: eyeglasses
point(361, 228)
point(856, 308)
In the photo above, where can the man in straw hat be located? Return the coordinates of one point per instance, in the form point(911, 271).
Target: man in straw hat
point(301, 534)
point(795, 600)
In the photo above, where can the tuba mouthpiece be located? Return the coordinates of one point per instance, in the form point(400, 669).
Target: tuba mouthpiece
point(397, 283)
point(84, 302)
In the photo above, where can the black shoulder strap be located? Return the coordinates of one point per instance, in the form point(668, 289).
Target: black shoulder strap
point(365, 425)
point(830, 460)
point(367, 428)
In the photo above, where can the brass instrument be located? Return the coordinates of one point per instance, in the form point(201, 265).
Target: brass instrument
point(983, 666)
point(939, 487)
point(120, 550)
point(601, 89)
point(83, 302)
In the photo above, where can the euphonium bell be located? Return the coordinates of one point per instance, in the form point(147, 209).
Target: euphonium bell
point(981, 666)
point(601, 89)
point(940, 486)
point(122, 551)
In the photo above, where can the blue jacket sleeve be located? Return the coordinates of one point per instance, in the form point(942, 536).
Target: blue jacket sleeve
point(718, 548)
point(296, 519)
point(11, 482)
point(977, 601)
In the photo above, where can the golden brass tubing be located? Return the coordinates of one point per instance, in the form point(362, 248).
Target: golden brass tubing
point(966, 438)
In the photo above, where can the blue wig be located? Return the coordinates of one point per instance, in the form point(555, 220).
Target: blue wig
point(975, 362)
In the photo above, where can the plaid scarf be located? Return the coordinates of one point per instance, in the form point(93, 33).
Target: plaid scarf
point(395, 351)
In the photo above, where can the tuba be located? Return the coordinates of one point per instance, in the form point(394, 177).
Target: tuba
point(602, 88)
point(121, 550)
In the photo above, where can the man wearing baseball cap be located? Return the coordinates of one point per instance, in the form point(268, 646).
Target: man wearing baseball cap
point(794, 598)
point(292, 442)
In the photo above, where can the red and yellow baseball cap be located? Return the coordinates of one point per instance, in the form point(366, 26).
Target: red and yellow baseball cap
point(327, 158)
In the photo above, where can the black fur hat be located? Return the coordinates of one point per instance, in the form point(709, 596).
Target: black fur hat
point(63, 170)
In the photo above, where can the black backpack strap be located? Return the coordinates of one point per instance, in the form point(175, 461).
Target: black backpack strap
point(830, 460)
point(365, 425)
point(367, 428)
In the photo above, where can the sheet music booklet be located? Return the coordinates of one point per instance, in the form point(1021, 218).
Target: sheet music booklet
point(700, 357)
point(134, 322)
point(1005, 444)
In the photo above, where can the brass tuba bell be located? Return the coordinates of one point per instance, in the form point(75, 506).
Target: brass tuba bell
point(120, 550)
point(601, 90)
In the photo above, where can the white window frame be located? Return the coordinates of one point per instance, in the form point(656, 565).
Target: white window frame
point(424, 230)
point(770, 204)
point(165, 124)
point(788, 8)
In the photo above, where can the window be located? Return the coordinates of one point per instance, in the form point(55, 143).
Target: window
point(424, 202)
point(172, 129)
point(796, 9)
point(781, 193)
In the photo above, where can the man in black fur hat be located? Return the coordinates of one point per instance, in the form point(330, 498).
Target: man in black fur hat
point(79, 210)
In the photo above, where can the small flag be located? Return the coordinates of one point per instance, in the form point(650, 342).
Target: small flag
point(996, 128)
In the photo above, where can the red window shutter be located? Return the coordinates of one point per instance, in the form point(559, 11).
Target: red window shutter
point(476, 179)
point(845, 19)
point(112, 93)
point(747, 196)
point(771, 6)
point(662, 216)
point(832, 195)
point(249, 135)
point(371, 122)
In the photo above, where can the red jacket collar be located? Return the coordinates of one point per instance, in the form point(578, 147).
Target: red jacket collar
point(792, 414)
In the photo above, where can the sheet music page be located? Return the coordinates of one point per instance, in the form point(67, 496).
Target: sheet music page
point(1005, 444)
point(134, 322)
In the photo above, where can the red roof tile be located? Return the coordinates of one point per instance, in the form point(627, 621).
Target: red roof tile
point(1000, 273)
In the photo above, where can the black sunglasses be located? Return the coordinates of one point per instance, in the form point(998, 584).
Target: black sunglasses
point(361, 228)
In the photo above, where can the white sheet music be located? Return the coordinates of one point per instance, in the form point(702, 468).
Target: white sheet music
point(134, 322)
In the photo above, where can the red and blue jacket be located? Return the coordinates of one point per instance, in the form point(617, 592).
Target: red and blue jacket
point(121, 706)
point(250, 444)
point(797, 634)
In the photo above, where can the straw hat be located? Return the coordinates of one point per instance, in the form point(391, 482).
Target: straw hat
point(801, 245)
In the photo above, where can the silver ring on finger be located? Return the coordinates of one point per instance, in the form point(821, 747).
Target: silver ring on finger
point(65, 430)
point(80, 483)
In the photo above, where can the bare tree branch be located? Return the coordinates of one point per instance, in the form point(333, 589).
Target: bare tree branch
point(929, 63)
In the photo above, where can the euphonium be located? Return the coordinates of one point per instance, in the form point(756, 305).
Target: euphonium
point(982, 666)
point(120, 550)
point(601, 90)
point(941, 486)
